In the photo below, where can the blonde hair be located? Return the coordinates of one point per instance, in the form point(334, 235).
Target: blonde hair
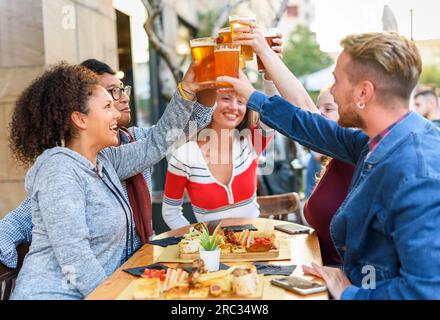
point(325, 89)
point(250, 119)
point(390, 61)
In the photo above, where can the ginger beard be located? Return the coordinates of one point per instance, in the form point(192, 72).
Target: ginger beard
point(349, 113)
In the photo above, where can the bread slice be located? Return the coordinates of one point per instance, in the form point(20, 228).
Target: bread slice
point(199, 293)
point(147, 288)
point(238, 249)
point(177, 293)
point(220, 278)
point(226, 248)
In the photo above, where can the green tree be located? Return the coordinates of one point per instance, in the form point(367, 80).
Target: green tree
point(207, 20)
point(430, 76)
point(302, 54)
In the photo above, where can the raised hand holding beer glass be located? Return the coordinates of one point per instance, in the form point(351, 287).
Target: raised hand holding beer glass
point(249, 34)
point(237, 23)
point(272, 35)
point(242, 85)
point(189, 84)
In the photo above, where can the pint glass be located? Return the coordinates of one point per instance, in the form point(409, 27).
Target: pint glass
point(202, 50)
point(224, 36)
point(227, 61)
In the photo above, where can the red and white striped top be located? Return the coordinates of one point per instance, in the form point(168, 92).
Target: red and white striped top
point(210, 199)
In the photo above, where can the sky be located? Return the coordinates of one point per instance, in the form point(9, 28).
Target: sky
point(336, 18)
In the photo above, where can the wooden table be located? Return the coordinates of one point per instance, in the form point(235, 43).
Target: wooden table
point(304, 250)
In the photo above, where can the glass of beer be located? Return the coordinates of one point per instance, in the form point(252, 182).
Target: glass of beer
point(246, 51)
point(227, 61)
point(202, 50)
point(224, 36)
point(269, 35)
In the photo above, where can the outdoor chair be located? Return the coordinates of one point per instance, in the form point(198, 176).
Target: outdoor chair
point(279, 206)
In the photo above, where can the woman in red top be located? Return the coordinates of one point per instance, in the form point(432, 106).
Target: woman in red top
point(219, 170)
point(330, 191)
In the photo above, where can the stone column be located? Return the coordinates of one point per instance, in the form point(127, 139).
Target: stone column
point(35, 35)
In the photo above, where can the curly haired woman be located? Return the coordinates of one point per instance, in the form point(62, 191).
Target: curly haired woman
point(83, 224)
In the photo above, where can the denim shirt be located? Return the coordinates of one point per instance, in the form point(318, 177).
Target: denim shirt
point(388, 228)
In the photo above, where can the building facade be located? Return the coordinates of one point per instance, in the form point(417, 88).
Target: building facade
point(35, 35)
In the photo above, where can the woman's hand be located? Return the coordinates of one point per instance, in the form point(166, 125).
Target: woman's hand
point(189, 84)
point(278, 49)
point(334, 278)
point(252, 36)
point(242, 86)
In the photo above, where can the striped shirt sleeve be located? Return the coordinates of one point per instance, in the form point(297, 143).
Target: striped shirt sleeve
point(175, 185)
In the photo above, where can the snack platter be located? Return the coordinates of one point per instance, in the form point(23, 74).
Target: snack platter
point(237, 282)
point(234, 245)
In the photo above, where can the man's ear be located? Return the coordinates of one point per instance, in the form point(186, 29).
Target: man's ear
point(79, 120)
point(366, 92)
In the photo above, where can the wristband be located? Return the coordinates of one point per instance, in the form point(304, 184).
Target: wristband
point(183, 93)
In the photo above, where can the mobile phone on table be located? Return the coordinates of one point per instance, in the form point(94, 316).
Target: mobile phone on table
point(299, 285)
point(293, 228)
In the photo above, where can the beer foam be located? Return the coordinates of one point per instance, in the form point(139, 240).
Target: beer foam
point(227, 49)
point(203, 43)
point(225, 30)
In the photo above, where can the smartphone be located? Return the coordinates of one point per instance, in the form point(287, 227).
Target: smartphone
point(299, 285)
point(292, 228)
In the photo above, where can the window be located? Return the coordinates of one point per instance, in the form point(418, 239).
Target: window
point(292, 11)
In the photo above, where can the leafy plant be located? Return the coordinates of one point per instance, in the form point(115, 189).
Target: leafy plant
point(430, 76)
point(302, 53)
point(210, 242)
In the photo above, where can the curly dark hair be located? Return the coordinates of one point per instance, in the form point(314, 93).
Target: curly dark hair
point(41, 117)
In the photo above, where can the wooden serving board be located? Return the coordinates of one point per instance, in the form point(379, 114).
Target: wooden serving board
point(128, 293)
point(236, 256)
point(172, 254)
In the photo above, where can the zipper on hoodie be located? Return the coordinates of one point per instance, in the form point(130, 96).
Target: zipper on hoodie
point(121, 199)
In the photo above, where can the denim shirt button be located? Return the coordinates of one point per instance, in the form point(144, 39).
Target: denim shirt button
point(369, 166)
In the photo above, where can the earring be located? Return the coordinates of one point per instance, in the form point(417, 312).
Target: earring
point(361, 105)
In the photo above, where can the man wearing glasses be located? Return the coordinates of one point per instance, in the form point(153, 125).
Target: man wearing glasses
point(16, 227)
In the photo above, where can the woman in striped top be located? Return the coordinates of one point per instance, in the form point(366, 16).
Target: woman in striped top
point(219, 170)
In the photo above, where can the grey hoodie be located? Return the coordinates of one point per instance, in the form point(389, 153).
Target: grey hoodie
point(81, 218)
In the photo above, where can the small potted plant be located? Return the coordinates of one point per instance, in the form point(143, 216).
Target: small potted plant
point(209, 248)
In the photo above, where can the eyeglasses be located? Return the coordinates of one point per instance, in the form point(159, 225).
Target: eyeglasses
point(117, 92)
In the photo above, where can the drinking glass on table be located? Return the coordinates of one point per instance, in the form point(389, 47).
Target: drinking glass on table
point(202, 50)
